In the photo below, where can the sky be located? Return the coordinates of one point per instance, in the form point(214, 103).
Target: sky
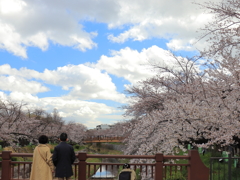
point(80, 56)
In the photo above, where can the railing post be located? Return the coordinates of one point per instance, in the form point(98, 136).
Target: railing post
point(82, 166)
point(159, 167)
point(6, 165)
point(230, 166)
point(211, 165)
point(197, 170)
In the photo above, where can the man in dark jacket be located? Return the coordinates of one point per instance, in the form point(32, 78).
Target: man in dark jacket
point(63, 158)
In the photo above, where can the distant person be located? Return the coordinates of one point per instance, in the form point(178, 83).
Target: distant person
point(127, 173)
point(63, 158)
point(42, 166)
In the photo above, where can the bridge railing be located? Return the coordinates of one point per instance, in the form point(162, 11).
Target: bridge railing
point(194, 169)
point(103, 138)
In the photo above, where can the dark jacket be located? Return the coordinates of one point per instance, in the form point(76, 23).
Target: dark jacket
point(63, 158)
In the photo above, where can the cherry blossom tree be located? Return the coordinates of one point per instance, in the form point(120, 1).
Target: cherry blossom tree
point(223, 32)
point(77, 132)
point(192, 102)
point(193, 107)
point(19, 124)
point(115, 130)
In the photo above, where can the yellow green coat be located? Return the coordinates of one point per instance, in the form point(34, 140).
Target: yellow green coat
point(42, 166)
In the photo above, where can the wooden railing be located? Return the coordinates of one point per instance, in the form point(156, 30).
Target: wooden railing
point(83, 170)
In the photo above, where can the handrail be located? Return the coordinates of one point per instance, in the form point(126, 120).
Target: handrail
point(121, 156)
point(133, 164)
point(196, 169)
point(108, 156)
point(21, 154)
point(176, 157)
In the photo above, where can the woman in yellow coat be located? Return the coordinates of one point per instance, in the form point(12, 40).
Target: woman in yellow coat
point(42, 166)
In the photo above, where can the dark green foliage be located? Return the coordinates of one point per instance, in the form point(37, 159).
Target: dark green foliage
point(14, 159)
point(76, 146)
point(99, 144)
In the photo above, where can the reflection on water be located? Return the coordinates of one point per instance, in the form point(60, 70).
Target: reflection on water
point(104, 173)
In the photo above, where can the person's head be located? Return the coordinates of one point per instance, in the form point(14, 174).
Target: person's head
point(63, 137)
point(43, 139)
point(126, 166)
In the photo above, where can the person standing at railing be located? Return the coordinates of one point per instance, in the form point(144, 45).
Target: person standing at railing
point(42, 165)
point(63, 158)
point(127, 173)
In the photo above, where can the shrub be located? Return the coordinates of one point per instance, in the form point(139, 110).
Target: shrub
point(77, 146)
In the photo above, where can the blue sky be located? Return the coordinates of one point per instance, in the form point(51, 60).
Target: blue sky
point(79, 56)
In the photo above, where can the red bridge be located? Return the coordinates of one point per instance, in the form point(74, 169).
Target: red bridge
point(193, 169)
point(103, 139)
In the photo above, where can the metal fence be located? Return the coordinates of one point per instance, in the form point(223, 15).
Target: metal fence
point(224, 168)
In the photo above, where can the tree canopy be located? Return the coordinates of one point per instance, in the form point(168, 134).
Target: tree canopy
point(20, 124)
point(197, 101)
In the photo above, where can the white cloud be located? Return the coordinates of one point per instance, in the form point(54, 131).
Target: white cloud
point(3, 96)
point(38, 40)
point(34, 23)
point(174, 20)
point(12, 83)
point(87, 113)
point(11, 6)
point(79, 111)
point(179, 44)
point(135, 33)
point(6, 69)
point(84, 81)
point(23, 97)
point(27, 23)
point(11, 41)
point(133, 65)
point(81, 81)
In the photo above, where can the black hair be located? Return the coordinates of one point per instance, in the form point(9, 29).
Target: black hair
point(43, 139)
point(126, 166)
point(63, 137)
